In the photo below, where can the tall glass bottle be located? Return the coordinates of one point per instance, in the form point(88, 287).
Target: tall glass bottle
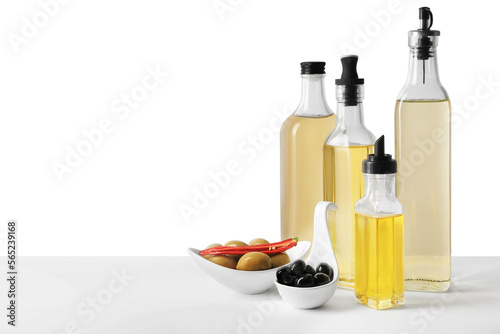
point(379, 235)
point(302, 138)
point(344, 151)
point(422, 133)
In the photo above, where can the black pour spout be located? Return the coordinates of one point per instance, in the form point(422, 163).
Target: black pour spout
point(350, 80)
point(379, 162)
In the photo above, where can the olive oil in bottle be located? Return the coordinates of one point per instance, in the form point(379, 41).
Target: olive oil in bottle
point(379, 235)
point(423, 185)
point(379, 261)
point(302, 138)
point(423, 141)
point(344, 151)
point(344, 186)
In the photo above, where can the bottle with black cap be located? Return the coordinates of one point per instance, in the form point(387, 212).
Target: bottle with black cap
point(423, 138)
point(302, 138)
point(344, 151)
point(379, 234)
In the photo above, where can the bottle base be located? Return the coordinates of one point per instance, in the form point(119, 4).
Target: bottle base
point(426, 285)
point(380, 303)
point(346, 284)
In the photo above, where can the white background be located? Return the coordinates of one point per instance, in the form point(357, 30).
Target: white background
point(227, 72)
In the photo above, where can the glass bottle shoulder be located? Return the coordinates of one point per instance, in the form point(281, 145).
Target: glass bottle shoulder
point(380, 199)
point(350, 136)
point(295, 125)
point(429, 92)
point(309, 131)
point(384, 207)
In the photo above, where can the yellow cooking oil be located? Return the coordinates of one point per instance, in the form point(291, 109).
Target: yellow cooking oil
point(423, 187)
point(302, 140)
point(344, 185)
point(379, 261)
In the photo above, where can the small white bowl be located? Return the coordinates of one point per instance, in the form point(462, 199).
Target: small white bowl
point(322, 251)
point(307, 298)
point(246, 282)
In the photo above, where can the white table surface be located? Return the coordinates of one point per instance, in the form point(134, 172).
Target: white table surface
point(171, 295)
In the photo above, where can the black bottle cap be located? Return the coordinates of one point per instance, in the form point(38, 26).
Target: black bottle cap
point(379, 162)
point(349, 73)
point(312, 67)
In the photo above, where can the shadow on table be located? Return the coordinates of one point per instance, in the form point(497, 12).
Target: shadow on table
point(338, 303)
point(466, 289)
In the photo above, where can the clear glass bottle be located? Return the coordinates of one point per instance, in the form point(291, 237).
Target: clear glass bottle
point(345, 149)
point(302, 138)
point(423, 138)
point(379, 235)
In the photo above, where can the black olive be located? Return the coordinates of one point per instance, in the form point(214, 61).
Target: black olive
point(289, 279)
point(305, 281)
point(282, 273)
point(310, 270)
point(325, 269)
point(298, 268)
point(321, 278)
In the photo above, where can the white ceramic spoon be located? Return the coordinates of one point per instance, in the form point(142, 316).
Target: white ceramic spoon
point(321, 251)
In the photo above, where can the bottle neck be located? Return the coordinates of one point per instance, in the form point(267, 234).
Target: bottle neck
point(350, 116)
point(380, 186)
point(313, 101)
point(423, 82)
point(350, 106)
point(350, 129)
point(423, 71)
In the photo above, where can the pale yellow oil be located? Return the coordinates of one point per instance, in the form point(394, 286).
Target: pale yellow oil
point(302, 140)
point(423, 187)
point(379, 261)
point(344, 186)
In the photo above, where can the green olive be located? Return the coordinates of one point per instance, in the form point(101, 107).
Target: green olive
point(211, 246)
point(280, 259)
point(254, 261)
point(235, 243)
point(223, 260)
point(258, 241)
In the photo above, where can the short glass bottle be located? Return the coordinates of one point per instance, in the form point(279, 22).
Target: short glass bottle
point(379, 282)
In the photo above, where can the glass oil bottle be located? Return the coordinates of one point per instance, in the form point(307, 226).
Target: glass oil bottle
point(344, 151)
point(422, 133)
point(379, 235)
point(302, 138)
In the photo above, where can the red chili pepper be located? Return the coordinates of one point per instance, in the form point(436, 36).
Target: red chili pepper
point(274, 248)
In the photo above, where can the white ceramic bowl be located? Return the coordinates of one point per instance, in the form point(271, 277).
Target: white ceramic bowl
point(307, 298)
point(321, 251)
point(246, 282)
